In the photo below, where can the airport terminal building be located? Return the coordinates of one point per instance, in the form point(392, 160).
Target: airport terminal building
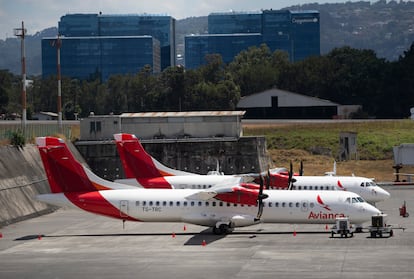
point(296, 32)
point(97, 45)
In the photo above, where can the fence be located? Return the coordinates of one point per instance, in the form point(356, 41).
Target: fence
point(35, 128)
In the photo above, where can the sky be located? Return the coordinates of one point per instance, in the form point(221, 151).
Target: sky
point(41, 14)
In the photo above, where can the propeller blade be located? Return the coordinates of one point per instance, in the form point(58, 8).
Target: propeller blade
point(260, 198)
point(268, 180)
point(301, 168)
point(290, 180)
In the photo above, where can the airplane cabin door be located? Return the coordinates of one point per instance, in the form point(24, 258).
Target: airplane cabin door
point(123, 208)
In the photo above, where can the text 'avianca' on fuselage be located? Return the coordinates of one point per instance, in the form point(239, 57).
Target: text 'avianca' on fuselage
point(141, 169)
point(222, 207)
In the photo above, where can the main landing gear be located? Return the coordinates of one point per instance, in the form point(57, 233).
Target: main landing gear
point(223, 228)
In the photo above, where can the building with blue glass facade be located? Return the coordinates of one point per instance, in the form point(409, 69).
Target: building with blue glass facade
point(296, 32)
point(100, 57)
point(111, 44)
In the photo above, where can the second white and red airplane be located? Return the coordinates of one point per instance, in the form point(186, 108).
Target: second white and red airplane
point(141, 169)
point(222, 207)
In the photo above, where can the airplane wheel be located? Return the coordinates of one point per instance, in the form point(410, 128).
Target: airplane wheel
point(223, 228)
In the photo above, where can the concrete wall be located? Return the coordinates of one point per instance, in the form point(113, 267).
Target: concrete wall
point(244, 155)
point(22, 177)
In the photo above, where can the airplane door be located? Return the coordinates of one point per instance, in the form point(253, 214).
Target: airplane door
point(304, 206)
point(123, 208)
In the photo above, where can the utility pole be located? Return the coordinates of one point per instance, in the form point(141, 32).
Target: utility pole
point(59, 99)
point(21, 32)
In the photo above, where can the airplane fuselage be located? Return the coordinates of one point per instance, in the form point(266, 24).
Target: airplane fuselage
point(160, 205)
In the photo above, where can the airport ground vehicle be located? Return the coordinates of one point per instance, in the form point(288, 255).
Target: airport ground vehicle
point(343, 227)
point(379, 227)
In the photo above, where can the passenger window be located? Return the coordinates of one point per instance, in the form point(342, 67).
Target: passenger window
point(207, 203)
point(178, 203)
point(305, 187)
point(214, 203)
point(192, 203)
point(291, 204)
point(270, 204)
point(157, 203)
point(220, 203)
point(144, 203)
point(150, 203)
point(185, 203)
point(200, 203)
point(277, 204)
point(311, 205)
point(283, 204)
point(164, 203)
point(297, 204)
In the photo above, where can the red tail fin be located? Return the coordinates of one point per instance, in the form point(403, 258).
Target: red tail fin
point(137, 163)
point(64, 172)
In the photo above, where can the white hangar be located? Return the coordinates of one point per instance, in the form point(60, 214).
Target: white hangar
point(280, 104)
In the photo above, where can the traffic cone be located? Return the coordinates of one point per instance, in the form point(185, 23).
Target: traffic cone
point(326, 227)
point(203, 243)
point(173, 235)
point(185, 228)
point(39, 237)
point(1, 235)
point(294, 232)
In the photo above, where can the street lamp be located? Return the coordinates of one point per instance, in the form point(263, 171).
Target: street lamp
point(21, 32)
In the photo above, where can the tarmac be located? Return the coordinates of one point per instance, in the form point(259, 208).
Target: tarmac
point(75, 244)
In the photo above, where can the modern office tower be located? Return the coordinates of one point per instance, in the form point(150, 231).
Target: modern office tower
point(296, 32)
point(110, 44)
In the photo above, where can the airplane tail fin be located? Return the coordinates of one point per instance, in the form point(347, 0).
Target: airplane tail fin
point(137, 163)
point(64, 173)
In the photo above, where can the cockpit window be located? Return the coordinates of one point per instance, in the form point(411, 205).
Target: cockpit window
point(355, 200)
point(348, 200)
point(363, 184)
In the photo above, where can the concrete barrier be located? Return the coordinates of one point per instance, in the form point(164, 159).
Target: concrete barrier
point(22, 177)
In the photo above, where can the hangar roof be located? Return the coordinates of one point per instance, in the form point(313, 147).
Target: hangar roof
point(284, 99)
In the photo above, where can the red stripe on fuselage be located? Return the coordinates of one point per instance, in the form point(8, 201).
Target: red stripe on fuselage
point(94, 202)
point(154, 183)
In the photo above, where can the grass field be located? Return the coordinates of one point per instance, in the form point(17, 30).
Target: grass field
point(317, 145)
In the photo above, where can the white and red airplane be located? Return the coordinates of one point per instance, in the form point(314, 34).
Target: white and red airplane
point(221, 207)
point(141, 169)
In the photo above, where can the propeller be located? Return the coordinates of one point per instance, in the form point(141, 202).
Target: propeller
point(291, 180)
point(260, 197)
point(301, 168)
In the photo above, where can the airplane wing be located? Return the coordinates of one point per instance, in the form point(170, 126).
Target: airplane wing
point(242, 193)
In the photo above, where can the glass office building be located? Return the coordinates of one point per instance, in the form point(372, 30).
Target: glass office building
point(118, 30)
point(297, 33)
point(92, 57)
point(228, 46)
point(231, 23)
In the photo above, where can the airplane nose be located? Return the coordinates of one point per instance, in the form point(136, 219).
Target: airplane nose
point(381, 193)
point(371, 210)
